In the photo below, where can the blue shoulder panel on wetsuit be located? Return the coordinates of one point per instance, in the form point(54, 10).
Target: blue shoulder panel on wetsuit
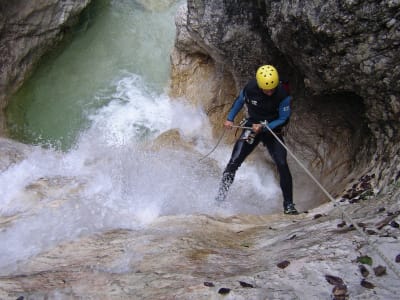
point(236, 107)
point(284, 113)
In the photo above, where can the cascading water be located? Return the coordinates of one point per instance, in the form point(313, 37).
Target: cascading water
point(97, 102)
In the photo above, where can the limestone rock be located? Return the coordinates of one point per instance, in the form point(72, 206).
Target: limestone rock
point(340, 58)
point(28, 29)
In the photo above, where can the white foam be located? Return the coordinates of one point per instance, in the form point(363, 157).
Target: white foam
point(111, 183)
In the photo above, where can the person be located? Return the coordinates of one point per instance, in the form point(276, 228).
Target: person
point(268, 104)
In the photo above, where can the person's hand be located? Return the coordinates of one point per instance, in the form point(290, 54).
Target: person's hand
point(228, 124)
point(257, 128)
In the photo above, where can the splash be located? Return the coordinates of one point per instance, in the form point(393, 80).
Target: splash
point(109, 181)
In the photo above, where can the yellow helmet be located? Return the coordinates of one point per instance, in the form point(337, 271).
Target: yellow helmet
point(267, 77)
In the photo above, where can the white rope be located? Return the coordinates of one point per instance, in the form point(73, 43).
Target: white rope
point(363, 234)
point(215, 147)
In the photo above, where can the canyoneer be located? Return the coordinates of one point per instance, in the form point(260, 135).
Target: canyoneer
point(268, 104)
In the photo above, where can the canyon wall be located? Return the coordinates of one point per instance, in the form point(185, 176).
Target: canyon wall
point(341, 58)
point(28, 30)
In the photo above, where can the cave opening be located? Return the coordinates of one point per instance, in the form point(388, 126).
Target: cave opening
point(330, 134)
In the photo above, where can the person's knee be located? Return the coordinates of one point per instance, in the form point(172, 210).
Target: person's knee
point(283, 168)
point(281, 162)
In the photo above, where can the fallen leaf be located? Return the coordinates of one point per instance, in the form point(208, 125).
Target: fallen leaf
point(224, 291)
point(380, 271)
point(339, 291)
point(245, 284)
point(367, 284)
point(366, 260)
point(334, 280)
point(283, 264)
point(394, 224)
point(364, 271)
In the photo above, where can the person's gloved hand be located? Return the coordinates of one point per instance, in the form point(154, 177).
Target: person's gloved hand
point(228, 124)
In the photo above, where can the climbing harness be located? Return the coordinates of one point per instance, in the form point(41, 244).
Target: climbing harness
point(362, 233)
point(220, 139)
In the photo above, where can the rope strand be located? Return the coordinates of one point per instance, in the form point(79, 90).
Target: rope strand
point(215, 147)
point(347, 216)
point(362, 233)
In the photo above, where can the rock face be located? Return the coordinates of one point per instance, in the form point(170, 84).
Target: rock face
point(28, 29)
point(342, 62)
point(313, 256)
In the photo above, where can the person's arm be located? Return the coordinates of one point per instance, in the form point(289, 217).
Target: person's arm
point(236, 107)
point(284, 114)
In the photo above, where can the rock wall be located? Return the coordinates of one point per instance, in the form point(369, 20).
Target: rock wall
point(341, 58)
point(28, 29)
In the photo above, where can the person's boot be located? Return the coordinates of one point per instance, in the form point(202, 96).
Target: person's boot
point(226, 181)
point(289, 209)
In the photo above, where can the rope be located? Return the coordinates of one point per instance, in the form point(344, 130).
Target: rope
point(215, 147)
point(220, 139)
point(347, 216)
point(362, 233)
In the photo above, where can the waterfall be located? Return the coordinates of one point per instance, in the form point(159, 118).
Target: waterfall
point(89, 110)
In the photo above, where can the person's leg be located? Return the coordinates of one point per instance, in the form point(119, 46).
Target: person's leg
point(279, 155)
point(241, 150)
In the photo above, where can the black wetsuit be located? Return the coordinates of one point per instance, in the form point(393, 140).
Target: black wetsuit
point(274, 109)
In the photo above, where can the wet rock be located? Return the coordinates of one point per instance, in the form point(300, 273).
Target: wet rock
point(283, 264)
point(29, 29)
point(380, 271)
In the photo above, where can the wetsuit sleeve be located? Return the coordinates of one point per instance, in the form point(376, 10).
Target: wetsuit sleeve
point(284, 113)
point(236, 107)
